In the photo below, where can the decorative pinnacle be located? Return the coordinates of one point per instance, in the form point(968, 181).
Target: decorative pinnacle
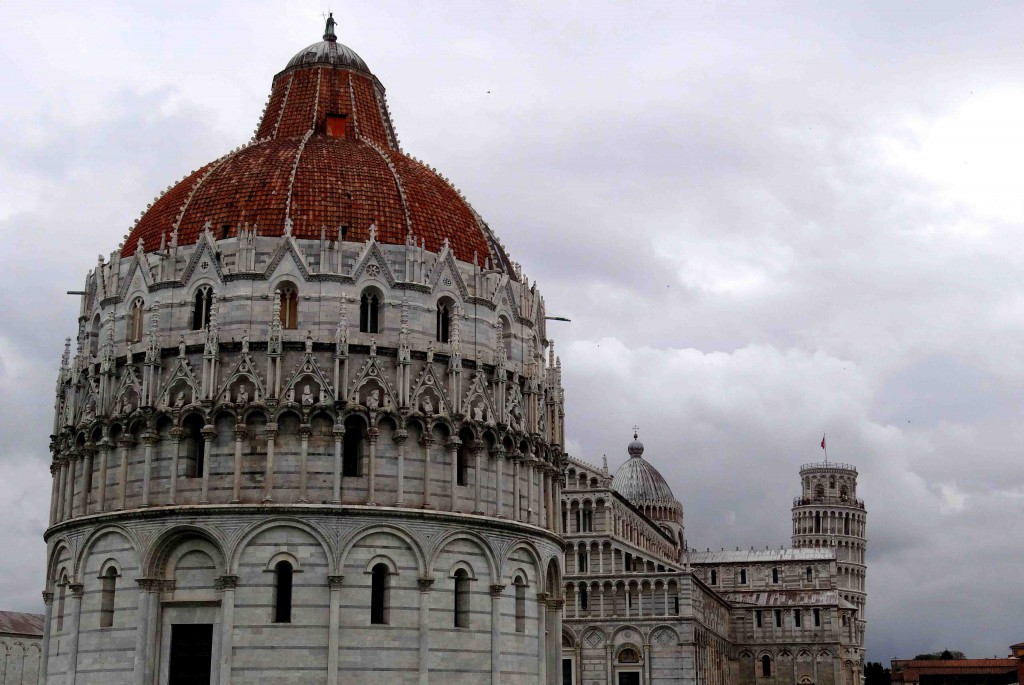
point(636, 430)
point(329, 34)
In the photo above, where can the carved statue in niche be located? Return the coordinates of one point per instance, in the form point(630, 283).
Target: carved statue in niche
point(430, 351)
point(373, 347)
point(181, 347)
point(427, 405)
point(307, 396)
point(245, 344)
point(179, 400)
point(373, 399)
point(309, 341)
point(90, 410)
point(243, 394)
point(126, 404)
point(513, 418)
point(478, 412)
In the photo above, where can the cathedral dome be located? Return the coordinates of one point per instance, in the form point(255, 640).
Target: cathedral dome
point(324, 163)
point(639, 482)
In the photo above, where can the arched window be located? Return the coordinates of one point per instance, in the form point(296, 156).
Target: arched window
point(766, 666)
point(743, 576)
point(62, 596)
point(194, 446)
point(444, 321)
point(461, 603)
point(462, 457)
point(775, 575)
point(520, 604)
point(352, 457)
point(289, 306)
point(629, 656)
point(135, 321)
point(817, 522)
point(584, 598)
point(843, 493)
point(94, 335)
point(506, 335)
point(108, 584)
point(714, 577)
point(819, 491)
point(380, 594)
point(369, 313)
point(588, 520)
point(201, 308)
point(283, 573)
point(810, 574)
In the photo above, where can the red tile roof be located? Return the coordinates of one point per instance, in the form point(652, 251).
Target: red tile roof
point(18, 623)
point(349, 181)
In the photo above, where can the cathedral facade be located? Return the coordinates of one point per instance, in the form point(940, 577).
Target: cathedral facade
point(642, 608)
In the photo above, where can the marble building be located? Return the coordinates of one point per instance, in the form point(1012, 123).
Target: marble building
point(642, 608)
point(311, 427)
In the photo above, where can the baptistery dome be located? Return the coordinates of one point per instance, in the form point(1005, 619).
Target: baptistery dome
point(313, 424)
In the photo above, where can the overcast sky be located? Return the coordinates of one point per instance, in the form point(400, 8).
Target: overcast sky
point(767, 221)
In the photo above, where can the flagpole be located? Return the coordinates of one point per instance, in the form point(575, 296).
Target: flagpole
point(824, 446)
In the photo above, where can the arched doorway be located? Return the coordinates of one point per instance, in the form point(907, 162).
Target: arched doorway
point(629, 666)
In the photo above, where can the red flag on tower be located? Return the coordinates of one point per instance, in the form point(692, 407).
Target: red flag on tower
point(822, 441)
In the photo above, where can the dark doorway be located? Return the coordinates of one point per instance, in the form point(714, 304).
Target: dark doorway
point(629, 679)
point(566, 671)
point(191, 654)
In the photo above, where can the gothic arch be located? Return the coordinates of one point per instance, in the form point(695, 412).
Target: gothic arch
point(349, 541)
point(252, 531)
point(95, 535)
point(444, 541)
point(154, 562)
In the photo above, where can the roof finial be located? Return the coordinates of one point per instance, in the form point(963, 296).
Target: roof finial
point(329, 34)
point(636, 430)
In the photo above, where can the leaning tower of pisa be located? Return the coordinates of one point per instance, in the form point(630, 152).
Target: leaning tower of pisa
point(828, 514)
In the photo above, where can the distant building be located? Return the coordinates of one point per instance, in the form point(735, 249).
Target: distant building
point(643, 609)
point(21, 638)
point(961, 671)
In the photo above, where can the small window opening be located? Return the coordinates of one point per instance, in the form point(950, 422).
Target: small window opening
point(743, 576)
point(201, 308)
point(817, 618)
point(757, 618)
point(289, 307)
point(444, 322)
point(62, 595)
point(775, 575)
point(462, 457)
point(520, 605)
point(369, 306)
point(135, 321)
point(337, 125)
point(283, 592)
point(379, 594)
point(778, 618)
point(108, 586)
point(461, 604)
point(225, 230)
point(582, 561)
point(810, 574)
point(675, 605)
point(584, 599)
point(797, 618)
point(588, 521)
point(351, 463)
point(766, 666)
point(194, 446)
point(714, 577)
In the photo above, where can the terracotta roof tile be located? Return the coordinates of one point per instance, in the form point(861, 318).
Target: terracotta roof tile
point(20, 623)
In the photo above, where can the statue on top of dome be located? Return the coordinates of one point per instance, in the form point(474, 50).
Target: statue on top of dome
point(329, 34)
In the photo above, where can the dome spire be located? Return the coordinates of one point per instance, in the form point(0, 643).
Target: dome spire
point(329, 34)
point(636, 448)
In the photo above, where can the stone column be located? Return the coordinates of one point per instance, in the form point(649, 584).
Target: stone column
point(69, 488)
point(609, 659)
point(149, 438)
point(236, 479)
point(62, 475)
point(425, 584)
point(89, 450)
point(516, 490)
point(647, 662)
point(54, 491)
point(339, 437)
point(101, 492)
point(554, 622)
point(142, 620)
point(334, 583)
point(45, 652)
point(478, 477)
point(400, 437)
point(496, 591)
point(529, 491)
point(499, 466)
point(208, 433)
point(542, 639)
point(602, 601)
point(125, 444)
point(268, 474)
point(176, 435)
point(226, 585)
point(453, 448)
point(304, 431)
point(579, 664)
point(428, 442)
point(73, 631)
point(371, 495)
